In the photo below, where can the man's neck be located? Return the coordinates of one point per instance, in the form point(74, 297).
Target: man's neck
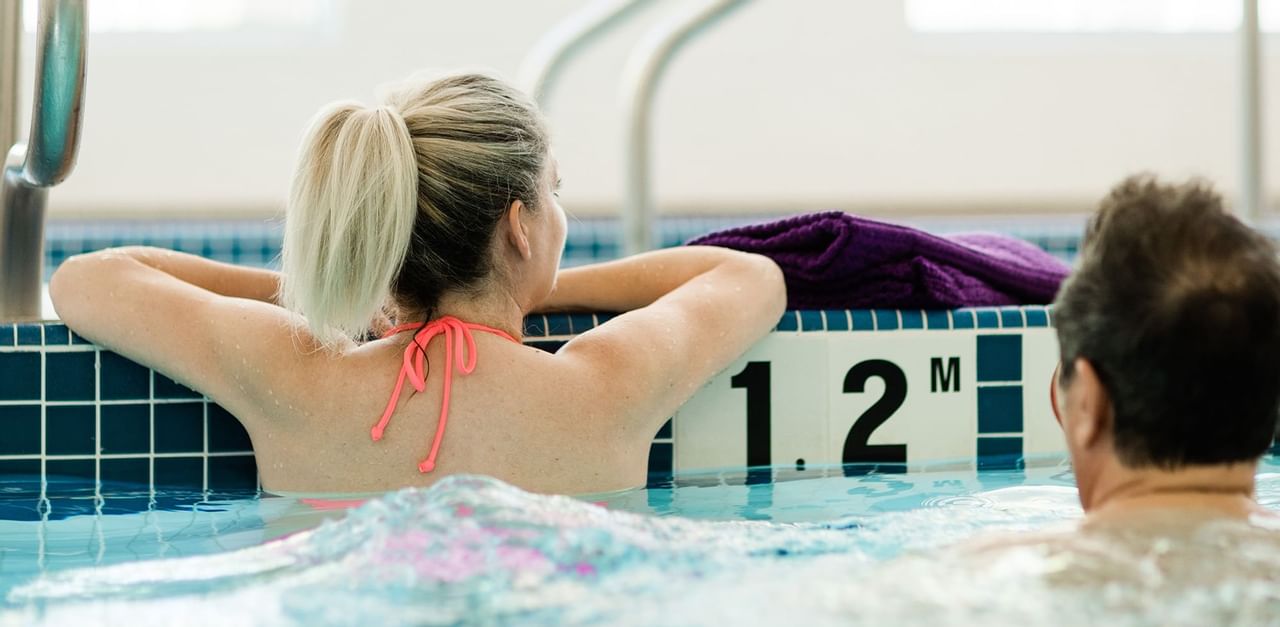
point(1225, 489)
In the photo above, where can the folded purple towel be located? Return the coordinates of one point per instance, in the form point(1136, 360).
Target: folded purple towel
point(834, 260)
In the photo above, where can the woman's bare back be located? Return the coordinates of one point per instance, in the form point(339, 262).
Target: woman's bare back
point(515, 417)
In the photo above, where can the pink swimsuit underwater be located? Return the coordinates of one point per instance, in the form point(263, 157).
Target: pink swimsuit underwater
point(459, 345)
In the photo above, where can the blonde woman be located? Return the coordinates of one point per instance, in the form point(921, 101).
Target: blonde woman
point(437, 207)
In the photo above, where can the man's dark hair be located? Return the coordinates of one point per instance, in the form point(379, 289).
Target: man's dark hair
point(1176, 305)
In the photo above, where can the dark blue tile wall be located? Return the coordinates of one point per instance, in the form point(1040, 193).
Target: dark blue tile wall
point(126, 429)
point(20, 425)
point(70, 430)
point(19, 376)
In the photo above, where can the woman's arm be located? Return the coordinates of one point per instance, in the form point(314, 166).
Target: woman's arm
point(220, 278)
point(690, 312)
point(196, 320)
point(633, 282)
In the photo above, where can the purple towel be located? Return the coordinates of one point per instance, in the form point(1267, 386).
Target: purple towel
point(834, 260)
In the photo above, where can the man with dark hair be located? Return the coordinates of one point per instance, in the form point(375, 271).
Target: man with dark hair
point(1168, 389)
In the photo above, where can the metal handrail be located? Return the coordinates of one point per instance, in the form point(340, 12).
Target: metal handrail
point(644, 68)
point(58, 105)
point(1252, 199)
point(46, 158)
point(10, 45)
point(544, 63)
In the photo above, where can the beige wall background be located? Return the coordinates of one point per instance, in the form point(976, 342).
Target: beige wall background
point(787, 105)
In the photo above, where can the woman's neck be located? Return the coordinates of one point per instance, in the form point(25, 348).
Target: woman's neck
point(492, 308)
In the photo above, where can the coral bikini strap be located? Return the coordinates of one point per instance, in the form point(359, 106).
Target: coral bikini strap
point(460, 344)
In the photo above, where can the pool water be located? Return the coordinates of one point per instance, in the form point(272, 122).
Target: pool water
point(761, 546)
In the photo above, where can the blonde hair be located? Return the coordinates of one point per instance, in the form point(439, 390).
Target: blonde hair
point(401, 201)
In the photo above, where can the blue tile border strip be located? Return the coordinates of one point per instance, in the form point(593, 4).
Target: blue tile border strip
point(840, 320)
point(185, 440)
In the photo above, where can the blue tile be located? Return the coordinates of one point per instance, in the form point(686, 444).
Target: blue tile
point(996, 453)
point(56, 335)
point(836, 319)
point(1037, 317)
point(20, 426)
point(535, 325)
point(581, 323)
point(166, 388)
point(129, 471)
point(1000, 409)
point(863, 320)
point(810, 320)
point(239, 472)
point(8, 334)
point(605, 316)
point(664, 433)
point(558, 324)
point(126, 428)
point(122, 496)
point(660, 457)
point(122, 379)
point(226, 434)
point(76, 338)
point(72, 468)
point(179, 472)
point(789, 322)
point(912, 319)
point(886, 319)
point(78, 505)
point(987, 318)
point(999, 358)
point(1010, 317)
point(963, 319)
point(179, 427)
point(70, 430)
point(21, 510)
point(12, 469)
point(69, 376)
point(937, 319)
point(30, 334)
point(19, 377)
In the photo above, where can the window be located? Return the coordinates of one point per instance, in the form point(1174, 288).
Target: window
point(1084, 16)
point(172, 16)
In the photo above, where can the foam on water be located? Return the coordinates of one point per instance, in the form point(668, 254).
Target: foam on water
point(474, 549)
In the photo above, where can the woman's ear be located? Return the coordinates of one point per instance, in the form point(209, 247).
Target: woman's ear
point(517, 232)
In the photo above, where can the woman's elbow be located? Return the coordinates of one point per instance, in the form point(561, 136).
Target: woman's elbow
point(768, 287)
point(62, 285)
point(72, 285)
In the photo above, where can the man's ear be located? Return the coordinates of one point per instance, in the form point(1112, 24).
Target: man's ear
point(1093, 405)
point(517, 233)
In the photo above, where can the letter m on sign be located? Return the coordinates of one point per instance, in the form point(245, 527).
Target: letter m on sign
point(942, 379)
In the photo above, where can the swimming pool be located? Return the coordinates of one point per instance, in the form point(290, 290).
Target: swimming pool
point(749, 544)
point(103, 443)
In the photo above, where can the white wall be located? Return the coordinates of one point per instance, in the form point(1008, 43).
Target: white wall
point(787, 105)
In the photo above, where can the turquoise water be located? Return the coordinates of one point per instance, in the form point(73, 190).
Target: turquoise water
point(755, 547)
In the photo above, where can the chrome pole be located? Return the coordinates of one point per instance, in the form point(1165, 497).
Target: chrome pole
point(544, 63)
point(1253, 197)
point(46, 158)
point(10, 47)
point(640, 78)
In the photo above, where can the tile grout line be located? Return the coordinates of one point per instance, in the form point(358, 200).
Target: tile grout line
point(151, 432)
point(97, 427)
point(204, 455)
point(44, 424)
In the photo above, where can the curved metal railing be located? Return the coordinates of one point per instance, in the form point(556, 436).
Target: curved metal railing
point(1252, 199)
point(46, 158)
point(543, 65)
point(644, 68)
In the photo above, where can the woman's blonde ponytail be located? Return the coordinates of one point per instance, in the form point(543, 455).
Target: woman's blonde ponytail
point(350, 216)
